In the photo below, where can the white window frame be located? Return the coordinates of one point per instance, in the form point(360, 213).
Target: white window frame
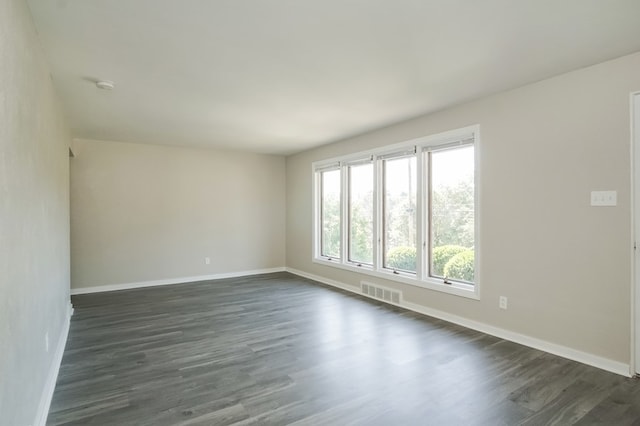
point(347, 216)
point(420, 146)
point(328, 167)
point(412, 151)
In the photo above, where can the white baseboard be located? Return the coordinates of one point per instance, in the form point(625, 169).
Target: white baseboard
point(52, 377)
point(128, 286)
point(532, 342)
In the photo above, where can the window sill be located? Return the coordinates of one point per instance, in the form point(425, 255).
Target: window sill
point(456, 289)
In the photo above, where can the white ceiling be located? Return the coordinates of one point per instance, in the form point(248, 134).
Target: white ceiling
point(281, 76)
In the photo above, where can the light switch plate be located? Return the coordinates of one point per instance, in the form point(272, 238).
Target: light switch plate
point(604, 198)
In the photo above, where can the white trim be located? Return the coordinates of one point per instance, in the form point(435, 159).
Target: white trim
point(52, 377)
point(532, 342)
point(477, 184)
point(323, 280)
point(457, 289)
point(169, 281)
point(434, 140)
point(635, 232)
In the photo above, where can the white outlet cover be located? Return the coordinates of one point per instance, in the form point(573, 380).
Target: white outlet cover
point(604, 198)
point(503, 302)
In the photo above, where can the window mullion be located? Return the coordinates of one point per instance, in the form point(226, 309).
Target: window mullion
point(421, 258)
point(317, 215)
point(344, 213)
point(377, 217)
point(427, 213)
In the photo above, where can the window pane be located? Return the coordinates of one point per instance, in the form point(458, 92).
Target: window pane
point(400, 214)
point(452, 214)
point(361, 214)
point(330, 213)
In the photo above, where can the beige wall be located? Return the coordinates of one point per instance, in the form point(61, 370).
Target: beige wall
point(145, 213)
point(565, 266)
point(34, 218)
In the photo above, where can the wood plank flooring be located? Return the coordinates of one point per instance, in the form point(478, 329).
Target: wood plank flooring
point(277, 349)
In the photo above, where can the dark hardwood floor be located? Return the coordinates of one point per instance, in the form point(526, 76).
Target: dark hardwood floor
point(278, 349)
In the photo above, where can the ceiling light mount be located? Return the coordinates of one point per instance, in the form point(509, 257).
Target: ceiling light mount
point(105, 85)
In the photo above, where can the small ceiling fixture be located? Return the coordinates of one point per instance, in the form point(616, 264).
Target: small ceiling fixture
point(105, 85)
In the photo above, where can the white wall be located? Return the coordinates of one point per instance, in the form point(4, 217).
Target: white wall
point(145, 213)
point(34, 220)
point(565, 266)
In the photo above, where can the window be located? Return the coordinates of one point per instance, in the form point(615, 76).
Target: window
point(399, 210)
point(405, 212)
point(330, 213)
point(451, 219)
point(361, 205)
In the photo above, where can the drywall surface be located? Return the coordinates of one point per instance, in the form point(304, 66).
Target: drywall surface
point(146, 213)
point(34, 218)
point(564, 265)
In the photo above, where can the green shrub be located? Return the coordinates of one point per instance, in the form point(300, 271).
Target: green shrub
point(442, 255)
point(460, 266)
point(402, 257)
